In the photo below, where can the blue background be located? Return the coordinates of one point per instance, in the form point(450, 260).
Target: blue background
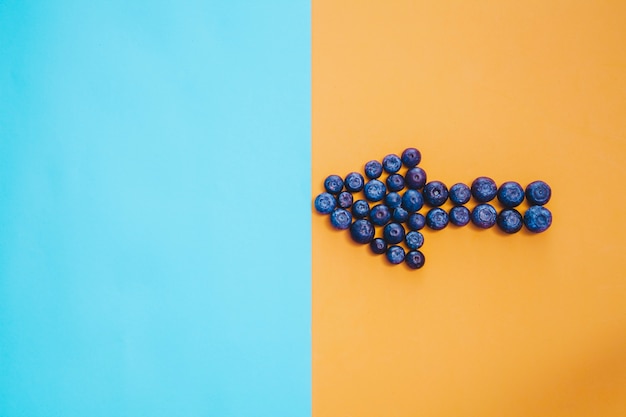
point(155, 208)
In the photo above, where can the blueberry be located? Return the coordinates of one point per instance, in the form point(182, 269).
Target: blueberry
point(459, 215)
point(393, 233)
point(435, 193)
point(362, 231)
point(510, 194)
point(325, 203)
point(360, 209)
point(484, 189)
point(380, 215)
point(414, 240)
point(412, 201)
point(392, 163)
point(538, 193)
point(484, 216)
point(333, 184)
point(460, 194)
point(375, 190)
point(344, 199)
point(400, 215)
point(411, 157)
point(416, 221)
point(436, 218)
point(415, 178)
point(537, 219)
point(510, 220)
point(354, 182)
point(395, 254)
point(340, 219)
point(393, 200)
point(373, 169)
point(378, 246)
point(395, 182)
point(415, 259)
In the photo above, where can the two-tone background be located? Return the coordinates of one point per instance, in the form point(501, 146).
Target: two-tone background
point(159, 254)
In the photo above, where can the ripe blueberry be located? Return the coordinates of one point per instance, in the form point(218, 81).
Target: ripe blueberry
point(411, 157)
point(510, 220)
point(537, 219)
point(436, 218)
point(415, 259)
point(392, 163)
point(459, 215)
point(435, 193)
point(393, 200)
point(373, 169)
point(484, 189)
point(538, 193)
point(416, 221)
point(393, 233)
point(378, 246)
point(374, 190)
point(362, 231)
point(510, 194)
point(460, 194)
point(412, 201)
point(395, 182)
point(360, 209)
point(395, 254)
point(325, 203)
point(354, 182)
point(415, 178)
point(484, 216)
point(340, 219)
point(344, 199)
point(333, 184)
point(414, 240)
point(400, 215)
point(380, 215)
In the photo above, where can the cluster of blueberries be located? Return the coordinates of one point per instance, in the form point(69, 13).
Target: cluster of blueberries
point(392, 209)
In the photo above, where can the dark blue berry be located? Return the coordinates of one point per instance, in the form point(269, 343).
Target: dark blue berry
point(416, 221)
point(362, 231)
point(415, 178)
point(374, 190)
point(460, 194)
point(510, 194)
point(380, 215)
point(412, 201)
point(360, 209)
point(333, 184)
point(415, 259)
point(395, 182)
point(393, 233)
point(395, 254)
point(435, 193)
point(393, 200)
point(340, 219)
point(325, 203)
point(392, 163)
point(373, 169)
point(437, 218)
point(459, 215)
point(510, 220)
point(400, 215)
point(538, 193)
point(344, 199)
point(411, 157)
point(484, 216)
point(378, 246)
point(414, 240)
point(537, 219)
point(354, 182)
point(484, 189)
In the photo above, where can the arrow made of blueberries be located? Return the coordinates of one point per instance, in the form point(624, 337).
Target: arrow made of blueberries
point(392, 210)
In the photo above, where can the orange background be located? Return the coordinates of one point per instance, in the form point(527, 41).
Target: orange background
point(493, 325)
